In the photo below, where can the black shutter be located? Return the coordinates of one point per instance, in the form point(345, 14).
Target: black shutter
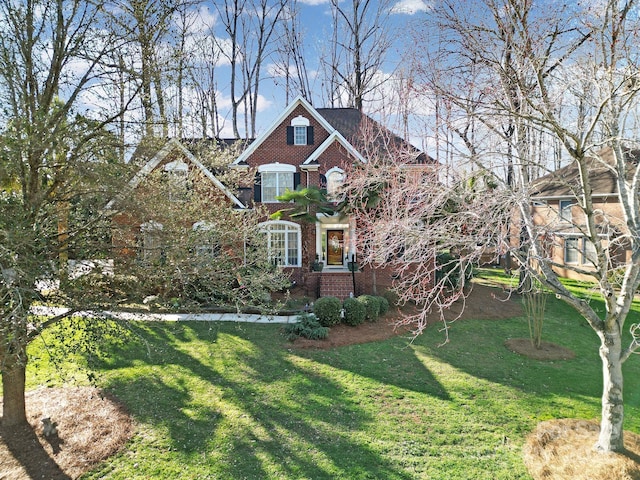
point(257, 189)
point(309, 135)
point(296, 180)
point(289, 135)
point(323, 183)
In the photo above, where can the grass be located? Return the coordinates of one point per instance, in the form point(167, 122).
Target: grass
point(235, 401)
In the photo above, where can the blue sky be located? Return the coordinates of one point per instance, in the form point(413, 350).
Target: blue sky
point(316, 25)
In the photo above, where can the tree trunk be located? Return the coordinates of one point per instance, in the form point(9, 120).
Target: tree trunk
point(611, 426)
point(13, 386)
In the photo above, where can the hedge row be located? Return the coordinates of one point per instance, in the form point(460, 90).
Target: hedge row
point(330, 311)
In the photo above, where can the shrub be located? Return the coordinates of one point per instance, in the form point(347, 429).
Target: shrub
point(327, 311)
point(391, 297)
point(384, 305)
point(450, 269)
point(354, 312)
point(307, 326)
point(372, 306)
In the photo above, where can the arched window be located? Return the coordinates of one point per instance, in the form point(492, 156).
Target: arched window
point(284, 242)
point(151, 241)
point(335, 180)
point(300, 132)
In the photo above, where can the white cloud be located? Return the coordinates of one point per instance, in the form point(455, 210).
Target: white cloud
point(411, 7)
point(313, 2)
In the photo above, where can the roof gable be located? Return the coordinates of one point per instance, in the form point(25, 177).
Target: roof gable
point(299, 101)
point(603, 177)
point(171, 146)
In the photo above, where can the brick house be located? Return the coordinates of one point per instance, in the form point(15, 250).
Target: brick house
point(137, 233)
point(560, 218)
point(306, 147)
point(303, 147)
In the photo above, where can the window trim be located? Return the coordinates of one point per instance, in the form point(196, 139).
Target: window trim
point(577, 249)
point(286, 227)
point(276, 168)
point(564, 209)
point(328, 174)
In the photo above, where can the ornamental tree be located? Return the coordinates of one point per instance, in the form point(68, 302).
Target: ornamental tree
point(520, 87)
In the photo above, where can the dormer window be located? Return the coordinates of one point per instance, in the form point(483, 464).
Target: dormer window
point(300, 132)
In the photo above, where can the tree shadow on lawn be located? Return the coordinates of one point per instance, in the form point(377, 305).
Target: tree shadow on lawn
point(477, 347)
point(298, 419)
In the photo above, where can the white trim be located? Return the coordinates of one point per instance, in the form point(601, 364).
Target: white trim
point(300, 121)
point(176, 166)
point(151, 226)
point(287, 111)
point(202, 226)
point(277, 167)
point(569, 197)
point(171, 145)
point(335, 136)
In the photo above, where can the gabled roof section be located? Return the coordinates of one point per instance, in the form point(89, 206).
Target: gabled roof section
point(171, 146)
point(334, 137)
point(603, 177)
point(292, 106)
point(353, 124)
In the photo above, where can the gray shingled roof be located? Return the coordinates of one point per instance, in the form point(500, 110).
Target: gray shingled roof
point(349, 122)
point(565, 182)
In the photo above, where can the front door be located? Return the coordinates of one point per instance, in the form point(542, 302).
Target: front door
point(335, 247)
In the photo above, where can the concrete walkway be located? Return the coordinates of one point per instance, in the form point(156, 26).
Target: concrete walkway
point(173, 317)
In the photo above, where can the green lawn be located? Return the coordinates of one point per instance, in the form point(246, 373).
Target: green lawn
point(235, 401)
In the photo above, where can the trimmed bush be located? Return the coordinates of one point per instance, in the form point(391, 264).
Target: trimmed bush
point(354, 312)
point(371, 305)
point(384, 305)
point(308, 326)
point(327, 311)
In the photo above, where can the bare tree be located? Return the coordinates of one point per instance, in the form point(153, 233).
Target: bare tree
point(250, 26)
point(292, 63)
point(520, 69)
point(148, 23)
point(362, 38)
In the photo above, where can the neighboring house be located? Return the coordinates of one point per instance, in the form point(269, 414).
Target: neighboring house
point(307, 147)
point(561, 220)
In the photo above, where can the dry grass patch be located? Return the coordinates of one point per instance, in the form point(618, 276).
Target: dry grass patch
point(564, 450)
point(91, 426)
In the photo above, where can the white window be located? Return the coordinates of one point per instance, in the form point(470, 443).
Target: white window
point(589, 255)
point(151, 242)
point(571, 250)
point(335, 180)
point(300, 126)
point(565, 210)
point(275, 178)
point(299, 135)
point(284, 243)
point(205, 242)
point(177, 173)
